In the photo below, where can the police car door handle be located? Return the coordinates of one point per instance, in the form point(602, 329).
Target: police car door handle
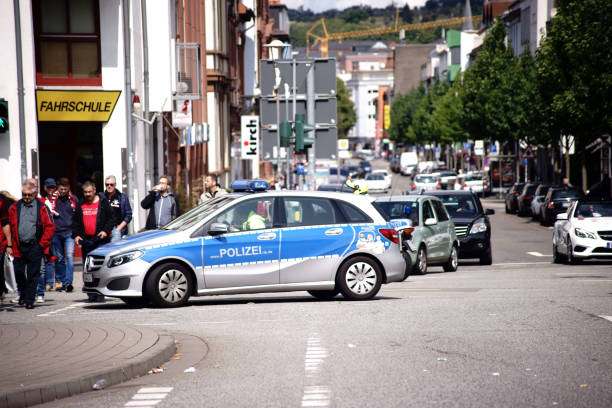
point(334, 231)
point(266, 237)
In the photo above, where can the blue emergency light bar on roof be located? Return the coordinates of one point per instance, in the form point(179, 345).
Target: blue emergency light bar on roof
point(249, 185)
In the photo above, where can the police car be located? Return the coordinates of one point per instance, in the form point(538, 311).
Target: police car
point(251, 241)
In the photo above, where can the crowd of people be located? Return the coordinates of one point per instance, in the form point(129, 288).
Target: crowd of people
point(40, 230)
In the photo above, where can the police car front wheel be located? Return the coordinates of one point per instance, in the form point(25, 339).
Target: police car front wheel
point(169, 285)
point(359, 278)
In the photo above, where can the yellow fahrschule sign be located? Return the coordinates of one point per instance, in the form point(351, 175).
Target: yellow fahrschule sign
point(75, 106)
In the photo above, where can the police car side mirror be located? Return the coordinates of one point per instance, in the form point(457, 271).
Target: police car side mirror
point(217, 228)
point(562, 216)
point(430, 221)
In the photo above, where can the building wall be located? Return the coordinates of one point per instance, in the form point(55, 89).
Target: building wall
point(407, 65)
point(364, 86)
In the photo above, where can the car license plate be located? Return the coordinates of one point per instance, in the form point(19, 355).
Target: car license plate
point(87, 277)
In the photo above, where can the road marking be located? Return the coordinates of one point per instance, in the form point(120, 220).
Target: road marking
point(315, 395)
point(148, 397)
point(154, 324)
point(63, 309)
point(593, 280)
point(536, 254)
point(520, 263)
point(609, 318)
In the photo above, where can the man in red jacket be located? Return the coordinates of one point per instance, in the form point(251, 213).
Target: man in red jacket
point(31, 233)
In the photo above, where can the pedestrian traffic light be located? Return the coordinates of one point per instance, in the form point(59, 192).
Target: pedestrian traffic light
point(301, 141)
point(285, 133)
point(4, 118)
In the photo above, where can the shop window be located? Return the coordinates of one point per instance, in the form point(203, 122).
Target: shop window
point(67, 36)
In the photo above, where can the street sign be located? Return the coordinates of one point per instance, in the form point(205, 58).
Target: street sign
point(343, 144)
point(249, 137)
point(181, 115)
point(494, 149)
point(528, 153)
point(479, 148)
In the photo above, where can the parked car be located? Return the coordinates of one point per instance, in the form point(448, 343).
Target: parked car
point(583, 231)
point(333, 176)
point(446, 179)
point(395, 163)
point(424, 182)
point(377, 183)
point(558, 200)
point(384, 173)
point(472, 224)
point(459, 181)
point(408, 162)
point(355, 172)
point(524, 199)
point(475, 183)
point(430, 237)
point(538, 199)
point(366, 166)
point(254, 241)
point(511, 195)
point(335, 187)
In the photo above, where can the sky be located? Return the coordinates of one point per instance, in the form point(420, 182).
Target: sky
point(321, 5)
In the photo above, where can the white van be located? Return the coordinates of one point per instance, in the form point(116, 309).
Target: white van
point(408, 160)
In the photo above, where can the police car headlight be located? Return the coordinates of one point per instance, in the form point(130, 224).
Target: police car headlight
point(478, 226)
point(583, 233)
point(124, 258)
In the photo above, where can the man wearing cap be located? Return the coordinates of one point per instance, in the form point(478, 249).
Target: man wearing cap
point(31, 233)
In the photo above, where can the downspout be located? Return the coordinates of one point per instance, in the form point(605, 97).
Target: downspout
point(128, 105)
point(145, 66)
point(20, 91)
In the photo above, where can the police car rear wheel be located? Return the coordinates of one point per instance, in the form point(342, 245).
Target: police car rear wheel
point(359, 278)
point(169, 285)
point(324, 294)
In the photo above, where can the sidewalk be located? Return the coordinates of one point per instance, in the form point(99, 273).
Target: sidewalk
point(46, 361)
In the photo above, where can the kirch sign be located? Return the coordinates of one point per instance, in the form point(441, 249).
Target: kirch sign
point(249, 137)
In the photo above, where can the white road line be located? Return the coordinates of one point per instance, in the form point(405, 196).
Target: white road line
point(148, 397)
point(63, 309)
point(520, 263)
point(609, 318)
point(536, 254)
point(315, 395)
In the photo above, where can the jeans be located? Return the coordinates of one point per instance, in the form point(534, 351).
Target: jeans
point(63, 249)
point(47, 276)
point(116, 237)
point(27, 271)
point(88, 245)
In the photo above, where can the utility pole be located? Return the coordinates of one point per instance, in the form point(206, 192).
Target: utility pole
point(310, 110)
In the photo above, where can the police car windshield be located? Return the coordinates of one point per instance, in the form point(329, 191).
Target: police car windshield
point(197, 214)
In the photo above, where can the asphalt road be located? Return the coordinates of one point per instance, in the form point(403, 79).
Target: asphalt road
point(520, 333)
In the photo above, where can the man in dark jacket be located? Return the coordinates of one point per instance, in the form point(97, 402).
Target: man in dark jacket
point(163, 205)
point(31, 234)
point(122, 210)
point(92, 224)
point(63, 205)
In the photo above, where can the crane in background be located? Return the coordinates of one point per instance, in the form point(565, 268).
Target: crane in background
point(325, 37)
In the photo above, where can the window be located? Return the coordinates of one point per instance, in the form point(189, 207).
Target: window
point(249, 215)
point(455, 55)
point(460, 205)
point(427, 211)
point(440, 211)
point(305, 211)
point(67, 37)
point(394, 210)
point(352, 214)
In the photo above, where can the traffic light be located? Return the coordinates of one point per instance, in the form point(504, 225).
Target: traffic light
point(301, 141)
point(285, 133)
point(4, 118)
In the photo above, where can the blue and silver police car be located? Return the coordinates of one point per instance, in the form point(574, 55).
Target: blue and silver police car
point(251, 241)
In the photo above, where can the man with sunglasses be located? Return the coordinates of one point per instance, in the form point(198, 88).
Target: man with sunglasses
point(31, 234)
point(120, 205)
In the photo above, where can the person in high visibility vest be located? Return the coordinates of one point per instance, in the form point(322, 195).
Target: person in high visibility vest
point(357, 188)
point(254, 222)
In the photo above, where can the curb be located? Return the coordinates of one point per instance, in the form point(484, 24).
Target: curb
point(156, 355)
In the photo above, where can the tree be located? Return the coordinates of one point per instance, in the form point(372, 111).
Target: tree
point(423, 128)
point(402, 113)
point(446, 116)
point(406, 14)
point(574, 72)
point(346, 109)
point(356, 15)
